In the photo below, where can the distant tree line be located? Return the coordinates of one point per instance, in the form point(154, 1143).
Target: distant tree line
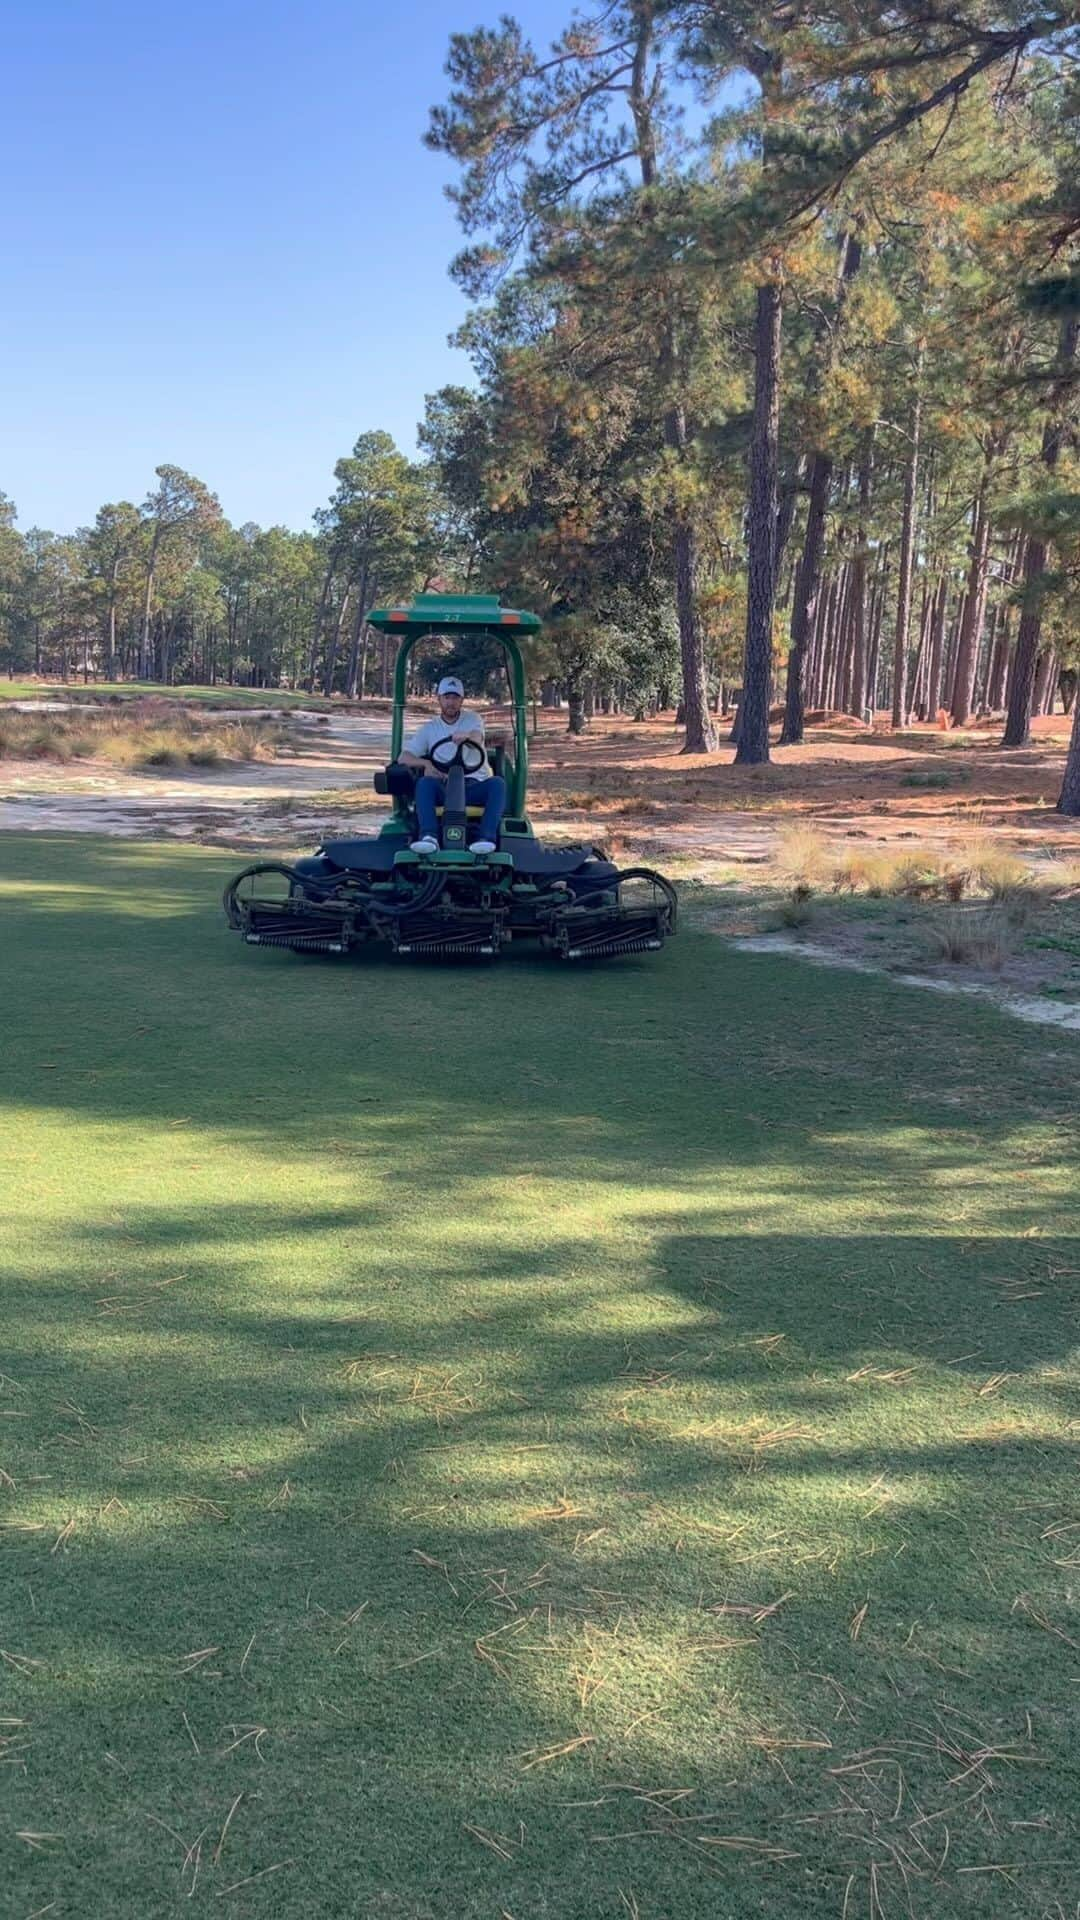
point(170, 592)
point(775, 400)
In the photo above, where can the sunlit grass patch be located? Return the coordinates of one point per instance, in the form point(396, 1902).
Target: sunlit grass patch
point(476, 1443)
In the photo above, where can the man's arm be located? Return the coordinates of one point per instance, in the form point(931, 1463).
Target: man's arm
point(415, 754)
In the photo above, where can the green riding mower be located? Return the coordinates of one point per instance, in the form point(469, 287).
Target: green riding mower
point(454, 901)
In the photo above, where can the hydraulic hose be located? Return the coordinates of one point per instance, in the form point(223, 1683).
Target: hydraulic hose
point(416, 903)
point(312, 887)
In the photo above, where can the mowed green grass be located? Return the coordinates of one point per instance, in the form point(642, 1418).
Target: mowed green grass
point(524, 1443)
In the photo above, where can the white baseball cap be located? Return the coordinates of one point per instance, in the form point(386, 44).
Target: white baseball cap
point(451, 684)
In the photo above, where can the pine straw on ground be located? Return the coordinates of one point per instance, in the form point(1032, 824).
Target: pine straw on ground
point(922, 782)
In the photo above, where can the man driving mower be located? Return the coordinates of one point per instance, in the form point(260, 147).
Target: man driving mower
point(482, 788)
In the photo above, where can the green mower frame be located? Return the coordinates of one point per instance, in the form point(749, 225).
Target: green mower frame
point(474, 614)
point(453, 900)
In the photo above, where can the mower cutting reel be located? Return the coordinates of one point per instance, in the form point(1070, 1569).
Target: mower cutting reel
point(454, 902)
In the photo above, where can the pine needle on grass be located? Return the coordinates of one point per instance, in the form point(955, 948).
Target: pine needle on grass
point(263, 1874)
point(225, 1829)
point(753, 1611)
point(543, 1756)
point(494, 1842)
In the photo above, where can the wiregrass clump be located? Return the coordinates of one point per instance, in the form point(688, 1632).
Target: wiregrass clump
point(971, 936)
point(999, 872)
point(802, 857)
point(884, 875)
point(979, 868)
point(151, 733)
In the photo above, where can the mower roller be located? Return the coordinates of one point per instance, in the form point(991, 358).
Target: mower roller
point(453, 902)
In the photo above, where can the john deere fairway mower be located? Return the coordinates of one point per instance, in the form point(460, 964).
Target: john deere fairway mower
point(453, 901)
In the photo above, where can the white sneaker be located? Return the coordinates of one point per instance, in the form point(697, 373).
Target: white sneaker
point(426, 845)
point(483, 846)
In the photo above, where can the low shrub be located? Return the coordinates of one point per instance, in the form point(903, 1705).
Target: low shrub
point(936, 778)
point(162, 754)
point(143, 733)
point(797, 908)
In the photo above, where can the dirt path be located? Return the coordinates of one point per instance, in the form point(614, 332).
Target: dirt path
point(342, 751)
point(272, 801)
point(623, 785)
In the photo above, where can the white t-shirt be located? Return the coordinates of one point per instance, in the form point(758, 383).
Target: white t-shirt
point(432, 731)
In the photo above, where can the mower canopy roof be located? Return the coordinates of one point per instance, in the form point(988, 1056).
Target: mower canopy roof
point(429, 612)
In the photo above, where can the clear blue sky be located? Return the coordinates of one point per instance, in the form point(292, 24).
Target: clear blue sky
point(199, 204)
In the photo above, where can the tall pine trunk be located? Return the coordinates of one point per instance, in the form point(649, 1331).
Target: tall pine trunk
point(859, 610)
point(701, 735)
point(937, 647)
point(1018, 721)
point(753, 747)
point(835, 634)
point(999, 662)
point(1045, 678)
point(907, 555)
point(824, 625)
point(151, 567)
point(808, 576)
point(359, 626)
point(847, 643)
point(1022, 683)
point(320, 616)
point(1069, 798)
point(877, 621)
point(357, 647)
point(807, 588)
point(998, 667)
point(970, 641)
point(918, 678)
point(335, 642)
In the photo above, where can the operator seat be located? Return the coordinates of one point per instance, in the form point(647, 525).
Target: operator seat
point(400, 781)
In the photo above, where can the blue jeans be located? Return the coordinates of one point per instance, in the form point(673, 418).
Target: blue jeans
point(489, 794)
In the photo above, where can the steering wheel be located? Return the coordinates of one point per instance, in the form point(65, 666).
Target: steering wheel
point(456, 753)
